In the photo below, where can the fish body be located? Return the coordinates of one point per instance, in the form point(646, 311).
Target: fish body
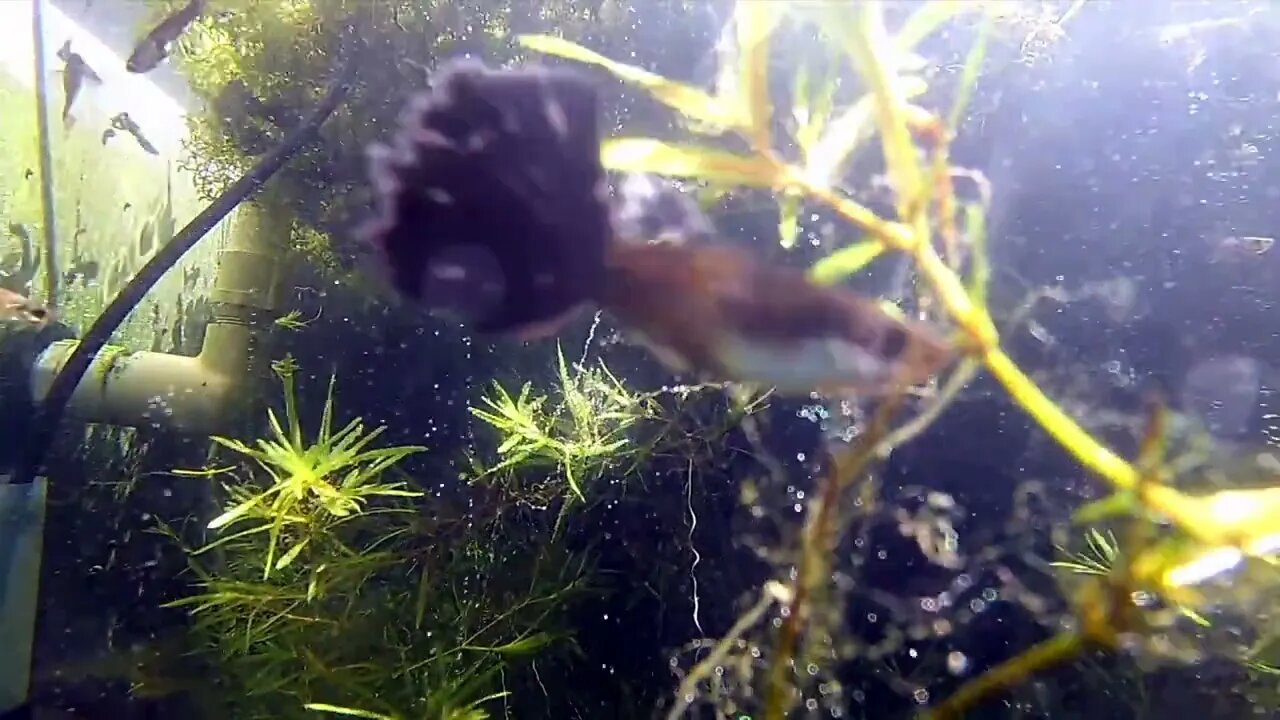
point(123, 122)
point(1237, 248)
point(16, 308)
point(74, 75)
point(28, 261)
point(718, 310)
point(493, 206)
point(157, 45)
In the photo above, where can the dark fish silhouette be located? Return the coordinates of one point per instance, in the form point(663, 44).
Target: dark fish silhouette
point(85, 270)
point(493, 206)
point(124, 123)
point(16, 308)
point(28, 262)
point(157, 45)
point(74, 74)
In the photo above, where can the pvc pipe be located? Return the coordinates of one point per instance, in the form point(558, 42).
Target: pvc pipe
point(200, 394)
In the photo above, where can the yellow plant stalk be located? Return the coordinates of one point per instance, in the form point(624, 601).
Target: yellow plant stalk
point(873, 51)
point(1246, 522)
point(1042, 656)
point(1192, 517)
point(869, 45)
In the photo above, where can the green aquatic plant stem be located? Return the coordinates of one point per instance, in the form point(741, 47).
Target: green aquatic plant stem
point(50, 411)
point(1104, 609)
point(872, 51)
point(982, 341)
point(1241, 519)
point(974, 319)
point(818, 543)
point(1047, 654)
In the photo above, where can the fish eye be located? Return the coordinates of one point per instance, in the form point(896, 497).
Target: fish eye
point(892, 342)
point(38, 313)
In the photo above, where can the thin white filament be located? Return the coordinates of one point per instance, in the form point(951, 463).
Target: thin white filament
point(693, 524)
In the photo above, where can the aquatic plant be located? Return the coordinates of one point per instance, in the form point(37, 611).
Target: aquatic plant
point(1097, 558)
point(560, 445)
point(1174, 541)
point(334, 473)
point(629, 454)
point(258, 66)
point(581, 438)
point(324, 591)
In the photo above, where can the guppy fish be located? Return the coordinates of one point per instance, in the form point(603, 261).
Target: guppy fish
point(158, 44)
point(15, 307)
point(124, 123)
point(1235, 248)
point(74, 75)
point(493, 206)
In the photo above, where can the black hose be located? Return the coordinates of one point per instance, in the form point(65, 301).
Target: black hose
point(50, 411)
point(20, 344)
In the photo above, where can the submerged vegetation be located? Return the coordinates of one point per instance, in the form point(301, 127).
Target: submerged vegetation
point(1175, 543)
point(573, 444)
point(259, 65)
point(326, 590)
point(343, 577)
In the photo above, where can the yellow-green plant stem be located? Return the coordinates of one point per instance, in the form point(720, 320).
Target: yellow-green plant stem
point(871, 55)
point(818, 544)
point(975, 320)
point(1046, 654)
point(981, 335)
point(921, 177)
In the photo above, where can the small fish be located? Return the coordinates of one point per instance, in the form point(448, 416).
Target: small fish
point(84, 270)
point(1240, 247)
point(719, 311)
point(28, 262)
point(74, 75)
point(124, 123)
point(16, 308)
point(493, 206)
point(156, 668)
point(20, 231)
point(158, 44)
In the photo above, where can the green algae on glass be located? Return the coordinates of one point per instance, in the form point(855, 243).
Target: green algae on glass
point(108, 197)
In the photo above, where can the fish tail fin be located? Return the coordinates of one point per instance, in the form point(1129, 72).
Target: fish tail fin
point(492, 202)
